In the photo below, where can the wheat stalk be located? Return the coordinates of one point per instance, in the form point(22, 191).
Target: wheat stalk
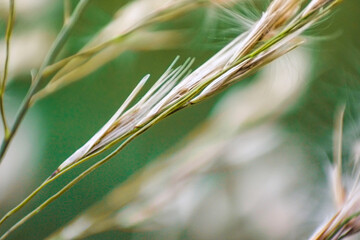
point(273, 35)
point(232, 63)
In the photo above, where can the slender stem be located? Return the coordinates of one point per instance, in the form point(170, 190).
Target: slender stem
point(26, 200)
point(45, 183)
point(10, 26)
point(49, 59)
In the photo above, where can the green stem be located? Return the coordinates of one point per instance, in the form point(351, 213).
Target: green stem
point(49, 59)
point(9, 30)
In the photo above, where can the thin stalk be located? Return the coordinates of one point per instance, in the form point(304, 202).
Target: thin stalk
point(49, 59)
point(9, 30)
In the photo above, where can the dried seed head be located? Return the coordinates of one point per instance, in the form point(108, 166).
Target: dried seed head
point(177, 89)
point(153, 190)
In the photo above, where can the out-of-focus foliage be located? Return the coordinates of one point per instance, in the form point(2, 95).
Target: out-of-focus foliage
point(73, 114)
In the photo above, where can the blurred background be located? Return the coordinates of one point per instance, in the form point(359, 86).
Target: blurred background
point(254, 165)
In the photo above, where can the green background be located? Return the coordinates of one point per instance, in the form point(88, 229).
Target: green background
point(72, 115)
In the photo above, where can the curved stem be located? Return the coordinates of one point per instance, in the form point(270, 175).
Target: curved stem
point(52, 54)
point(10, 26)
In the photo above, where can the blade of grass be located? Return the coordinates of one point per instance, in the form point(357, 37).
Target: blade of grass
point(338, 187)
